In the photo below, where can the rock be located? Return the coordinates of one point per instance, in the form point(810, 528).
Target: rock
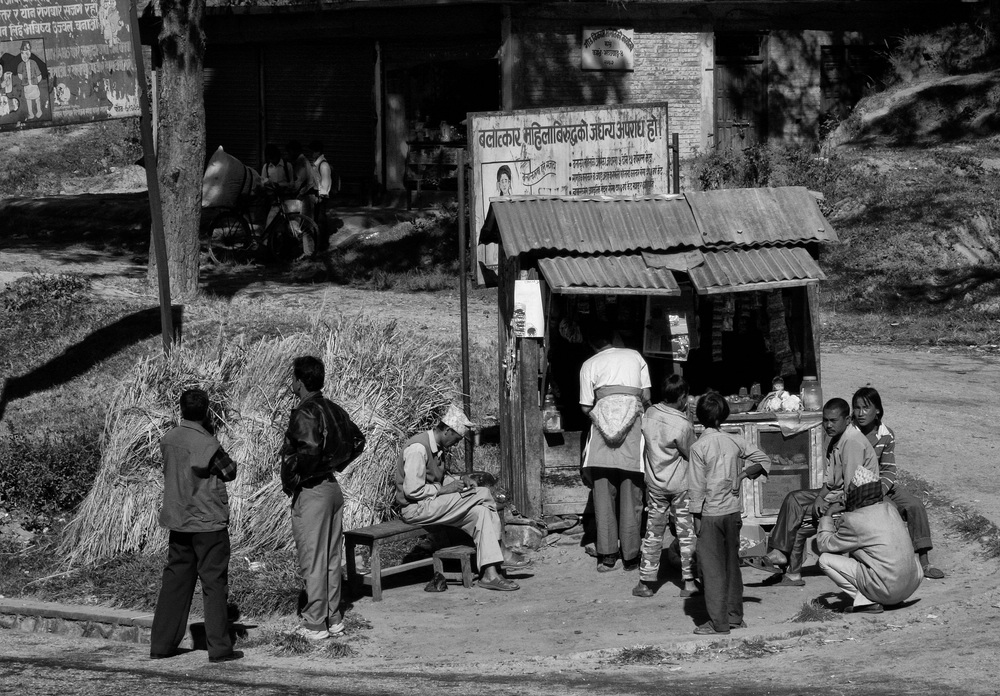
point(523, 535)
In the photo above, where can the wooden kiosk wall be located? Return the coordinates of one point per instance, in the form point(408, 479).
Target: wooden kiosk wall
point(520, 414)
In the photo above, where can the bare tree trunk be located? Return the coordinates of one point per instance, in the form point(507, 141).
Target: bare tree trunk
point(181, 139)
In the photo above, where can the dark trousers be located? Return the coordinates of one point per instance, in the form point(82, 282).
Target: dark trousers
point(785, 536)
point(192, 556)
point(618, 511)
point(915, 514)
point(719, 559)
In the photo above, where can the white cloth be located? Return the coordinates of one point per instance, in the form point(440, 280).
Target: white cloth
point(620, 367)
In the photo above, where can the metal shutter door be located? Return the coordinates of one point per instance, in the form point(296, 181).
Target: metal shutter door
point(232, 94)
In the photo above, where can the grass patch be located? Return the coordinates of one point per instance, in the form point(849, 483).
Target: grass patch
point(752, 649)
point(287, 643)
point(814, 611)
point(639, 655)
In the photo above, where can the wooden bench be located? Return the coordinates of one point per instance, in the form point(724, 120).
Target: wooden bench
point(374, 537)
point(461, 553)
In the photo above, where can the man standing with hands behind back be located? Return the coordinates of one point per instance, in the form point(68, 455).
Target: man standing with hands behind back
point(196, 511)
point(320, 442)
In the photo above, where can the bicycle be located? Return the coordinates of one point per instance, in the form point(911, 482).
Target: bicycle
point(235, 234)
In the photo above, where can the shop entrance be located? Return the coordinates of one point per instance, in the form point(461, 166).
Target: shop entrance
point(425, 105)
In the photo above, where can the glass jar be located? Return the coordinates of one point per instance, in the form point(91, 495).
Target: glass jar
point(812, 394)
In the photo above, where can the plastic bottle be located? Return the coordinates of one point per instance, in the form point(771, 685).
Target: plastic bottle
point(551, 418)
point(812, 394)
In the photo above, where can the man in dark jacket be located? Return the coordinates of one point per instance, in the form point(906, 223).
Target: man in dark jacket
point(196, 511)
point(321, 440)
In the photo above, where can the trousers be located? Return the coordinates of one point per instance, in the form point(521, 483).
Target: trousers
point(192, 556)
point(318, 530)
point(618, 511)
point(719, 558)
point(660, 507)
point(791, 515)
point(475, 514)
point(913, 511)
point(843, 571)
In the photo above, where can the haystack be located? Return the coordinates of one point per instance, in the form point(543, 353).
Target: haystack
point(392, 384)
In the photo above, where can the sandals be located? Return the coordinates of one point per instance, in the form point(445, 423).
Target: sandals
point(500, 584)
point(932, 573)
point(788, 582)
point(764, 563)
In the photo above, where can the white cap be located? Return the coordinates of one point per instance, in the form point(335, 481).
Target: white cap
point(455, 419)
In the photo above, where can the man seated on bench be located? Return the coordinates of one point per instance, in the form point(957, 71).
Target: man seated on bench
point(427, 495)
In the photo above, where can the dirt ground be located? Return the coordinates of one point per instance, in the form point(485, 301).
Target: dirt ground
point(568, 619)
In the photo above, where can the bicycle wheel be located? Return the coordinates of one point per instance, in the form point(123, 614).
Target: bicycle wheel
point(230, 239)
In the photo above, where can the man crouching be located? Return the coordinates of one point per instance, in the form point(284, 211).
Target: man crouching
point(427, 495)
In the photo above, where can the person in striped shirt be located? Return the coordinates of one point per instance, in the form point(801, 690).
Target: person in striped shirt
point(867, 415)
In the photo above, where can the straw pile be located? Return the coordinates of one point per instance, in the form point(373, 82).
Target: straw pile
point(392, 384)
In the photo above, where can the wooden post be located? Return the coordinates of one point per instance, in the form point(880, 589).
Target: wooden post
point(676, 147)
point(153, 186)
point(463, 266)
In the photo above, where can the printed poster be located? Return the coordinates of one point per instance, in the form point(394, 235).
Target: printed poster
point(574, 151)
point(65, 62)
point(529, 319)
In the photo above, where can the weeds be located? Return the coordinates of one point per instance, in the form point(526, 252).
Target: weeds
point(639, 655)
point(41, 290)
point(753, 648)
point(285, 643)
point(814, 611)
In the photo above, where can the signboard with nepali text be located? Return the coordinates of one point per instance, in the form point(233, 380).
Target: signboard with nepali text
point(604, 48)
point(617, 150)
point(65, 62)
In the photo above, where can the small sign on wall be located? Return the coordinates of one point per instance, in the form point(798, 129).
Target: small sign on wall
point(604, 48)
point(528, 320)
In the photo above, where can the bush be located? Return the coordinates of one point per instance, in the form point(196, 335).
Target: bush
point(41, 290)
point(50, 473)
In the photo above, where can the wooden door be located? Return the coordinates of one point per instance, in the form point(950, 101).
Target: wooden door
point(740, 90)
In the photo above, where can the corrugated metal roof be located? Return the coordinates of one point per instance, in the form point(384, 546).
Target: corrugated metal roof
point(758, 216)
point(607, 275)
point(747, 269)
point(588, 226)
point(742, 217)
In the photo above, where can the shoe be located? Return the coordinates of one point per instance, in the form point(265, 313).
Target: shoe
point(763, 563)
point(788, 582)
point(629, 566)
point(336, 629)
point(689, 593)
point(516, 562)
point(310, 634)
point(603, 567)
point(707, 629)
point(500, 584)
point(932, 573)
point(163, 656)
point(438, 584)
point(234, 655)
point(874, 608)
point(642, 590)
point(741, 624)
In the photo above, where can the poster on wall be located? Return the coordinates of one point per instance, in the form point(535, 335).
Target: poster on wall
point(573, 151)
point(607, 48)
point(529, 319)
point(667, 327)
point(65, 62)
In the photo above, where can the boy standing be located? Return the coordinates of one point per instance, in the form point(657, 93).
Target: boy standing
point(669, 437)
point(715, 504)
point(196, 511)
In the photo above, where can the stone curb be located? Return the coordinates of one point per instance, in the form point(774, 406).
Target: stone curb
point(78, 621)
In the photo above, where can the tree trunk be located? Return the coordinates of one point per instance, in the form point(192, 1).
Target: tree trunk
point(181, 139)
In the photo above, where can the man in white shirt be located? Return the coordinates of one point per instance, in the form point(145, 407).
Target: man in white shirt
point(614, 391)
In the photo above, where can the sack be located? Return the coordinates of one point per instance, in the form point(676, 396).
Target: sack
point(226, 179)
point(613, 416)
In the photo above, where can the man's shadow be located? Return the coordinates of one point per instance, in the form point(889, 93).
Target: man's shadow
point(76, 359)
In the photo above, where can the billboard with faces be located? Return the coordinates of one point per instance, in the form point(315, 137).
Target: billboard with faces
point(65, 62)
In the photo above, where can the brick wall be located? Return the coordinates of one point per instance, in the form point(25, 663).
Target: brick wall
point(667, 68)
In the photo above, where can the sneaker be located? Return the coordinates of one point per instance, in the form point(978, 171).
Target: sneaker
point(228, 657)
point(707, 629)
point(310, 634)
point(741, 624)
point(606, 564)
point(642, 590)
point(336, 629)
